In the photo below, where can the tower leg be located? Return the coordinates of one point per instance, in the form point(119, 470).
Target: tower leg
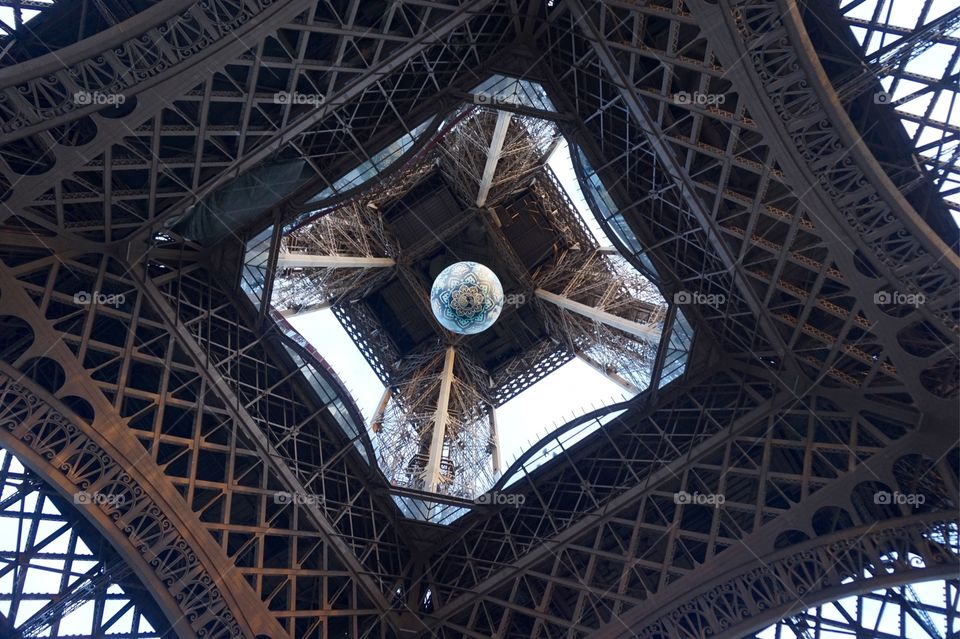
point(432, 477)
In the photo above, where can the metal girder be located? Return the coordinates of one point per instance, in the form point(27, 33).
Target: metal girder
point(826, 212)
point(306, 260)
point(648, 124)
point(333, 100)
point(171, 83)
point(759, 547)
point(599, 519)
point(493, 156)
point(438, 435)
point(548, 545)
point(267, 450)
point(647, 333)
point(122, 454)
point(56, 546)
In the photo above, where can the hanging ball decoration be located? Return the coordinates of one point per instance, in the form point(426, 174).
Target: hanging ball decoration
point(467, 298)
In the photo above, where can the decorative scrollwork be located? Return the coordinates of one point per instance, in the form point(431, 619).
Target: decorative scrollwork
point(83, 462)
point(809, 568)
point(119, 67)
point(773, 56)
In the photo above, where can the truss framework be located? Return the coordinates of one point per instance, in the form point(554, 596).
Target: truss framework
point(60, 575)
point(435, 428)
point(768, 198)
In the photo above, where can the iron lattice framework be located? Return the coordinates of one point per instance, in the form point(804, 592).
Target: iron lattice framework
point(715, 141)
point(892, 613)
point(405, 423)
point(65, 578)
point(435, 427)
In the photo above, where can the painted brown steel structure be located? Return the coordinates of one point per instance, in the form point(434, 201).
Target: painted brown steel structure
point(804, 396)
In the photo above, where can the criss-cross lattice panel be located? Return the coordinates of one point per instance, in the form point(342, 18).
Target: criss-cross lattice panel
point(55, 581)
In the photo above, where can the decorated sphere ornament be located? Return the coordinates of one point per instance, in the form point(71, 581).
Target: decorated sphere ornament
point(466, 298)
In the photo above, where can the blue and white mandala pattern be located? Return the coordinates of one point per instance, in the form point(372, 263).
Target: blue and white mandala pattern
point(467, 298)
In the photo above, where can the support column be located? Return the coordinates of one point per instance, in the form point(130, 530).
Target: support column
point(432, 477)
point(495, 443)
point(493, 156)
point(641, 331)
point(376, 423)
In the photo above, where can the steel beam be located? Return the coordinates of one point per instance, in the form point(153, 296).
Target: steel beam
point(493, 156)
point(611, 375)
point(495, 443)
point(641, 331)
point(271, 458)
point(305, 260)
point(440, 422)
point(313, 308)
point(417, 46)
point(657, 139)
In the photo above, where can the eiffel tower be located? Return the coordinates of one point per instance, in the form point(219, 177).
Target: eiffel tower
point(765, 262)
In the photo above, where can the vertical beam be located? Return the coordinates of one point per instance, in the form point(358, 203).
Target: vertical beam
point(641, 331)
point(657, 372)
point(432, 477)
point(495, 443)
point(376, 423)
point(493, 156)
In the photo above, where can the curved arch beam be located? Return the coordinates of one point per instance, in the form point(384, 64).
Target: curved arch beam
point(824, 569)
point(153, 521)
point(851, 200)
point(73, 457)
point(119, 54)
point(168, 75)
point(758, 547)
